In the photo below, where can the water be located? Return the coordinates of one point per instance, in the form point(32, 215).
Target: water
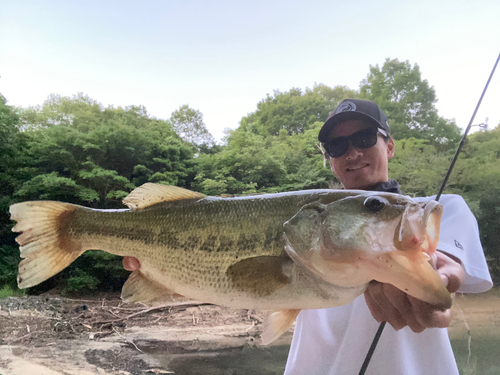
point(484, 358)
point(241, 361)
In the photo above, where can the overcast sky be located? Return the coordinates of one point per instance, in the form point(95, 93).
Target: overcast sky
point(223, 57)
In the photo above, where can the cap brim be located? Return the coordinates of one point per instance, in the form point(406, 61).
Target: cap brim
point(341, 117)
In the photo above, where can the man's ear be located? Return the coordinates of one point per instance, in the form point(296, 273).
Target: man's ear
point(390, 148)
point(330, 160)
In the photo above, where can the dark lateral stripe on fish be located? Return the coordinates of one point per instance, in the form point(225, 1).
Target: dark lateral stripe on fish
point(91, 223)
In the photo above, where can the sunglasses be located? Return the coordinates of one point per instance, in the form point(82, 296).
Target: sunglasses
point(365, 138)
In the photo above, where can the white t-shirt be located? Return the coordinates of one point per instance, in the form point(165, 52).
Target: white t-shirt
point(336, 340)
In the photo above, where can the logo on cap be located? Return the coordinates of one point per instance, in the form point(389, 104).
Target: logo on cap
point(345, 107)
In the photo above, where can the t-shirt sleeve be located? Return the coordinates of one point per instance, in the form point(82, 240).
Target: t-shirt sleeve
point(459, 237)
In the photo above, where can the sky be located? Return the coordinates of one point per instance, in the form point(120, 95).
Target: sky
point(223, 57)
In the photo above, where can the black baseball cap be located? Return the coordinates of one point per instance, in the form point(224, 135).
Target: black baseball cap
point(355, 109)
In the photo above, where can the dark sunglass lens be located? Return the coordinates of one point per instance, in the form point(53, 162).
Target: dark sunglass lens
point(364, 138)
point(337, 147)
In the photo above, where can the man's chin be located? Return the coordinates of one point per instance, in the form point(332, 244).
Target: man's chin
point(359, 180)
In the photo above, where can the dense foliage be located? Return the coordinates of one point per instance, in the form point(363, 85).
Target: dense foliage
point(75, 150)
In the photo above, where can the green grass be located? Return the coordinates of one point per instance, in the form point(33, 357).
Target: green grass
point(483, 359)
point(7, 291)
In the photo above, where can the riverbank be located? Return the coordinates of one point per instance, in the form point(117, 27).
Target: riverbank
point(49, 335)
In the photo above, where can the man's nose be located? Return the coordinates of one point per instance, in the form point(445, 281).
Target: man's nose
point(353, 152)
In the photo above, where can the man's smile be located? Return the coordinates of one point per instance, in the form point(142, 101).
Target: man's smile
point(357, 167)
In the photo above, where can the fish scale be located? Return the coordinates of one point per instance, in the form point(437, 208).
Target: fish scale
point(187, 240)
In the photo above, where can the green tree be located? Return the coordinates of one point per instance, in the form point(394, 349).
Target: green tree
point(99, 154)
point(188, 123)
point(275, 148)
point(11, 156)
point(418, 167)
point(292, 111)
point(409, 102)
point(334, 96)
point(80, 152)
point(252, 163)
point(477, 178)
point(9, 135)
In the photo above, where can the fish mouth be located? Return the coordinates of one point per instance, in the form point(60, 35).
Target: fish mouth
point(408, 266)
point(419, 227)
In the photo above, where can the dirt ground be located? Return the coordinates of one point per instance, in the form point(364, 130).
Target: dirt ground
point(49, 335)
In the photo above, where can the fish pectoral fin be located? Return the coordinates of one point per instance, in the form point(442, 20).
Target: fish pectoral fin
point(260, 276)
point(277, 324)
point(140, 288)
point(149, 194)
point(411, 272)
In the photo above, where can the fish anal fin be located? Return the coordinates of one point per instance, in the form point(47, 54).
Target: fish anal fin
point(140, 288)
point(149, 194)
point(277, 324)
point(259, 276)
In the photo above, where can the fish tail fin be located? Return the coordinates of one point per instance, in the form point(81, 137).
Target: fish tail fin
point(277, 324)
point(45, 242)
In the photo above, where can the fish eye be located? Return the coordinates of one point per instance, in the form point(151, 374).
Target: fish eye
point(375, 204)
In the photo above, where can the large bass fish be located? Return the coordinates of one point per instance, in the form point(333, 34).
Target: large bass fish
point(284, 252)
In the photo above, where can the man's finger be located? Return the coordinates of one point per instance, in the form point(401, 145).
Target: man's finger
point(374, 308)
point(384, 309)
point(451, 271)
point(400, 301)
point(428, 316)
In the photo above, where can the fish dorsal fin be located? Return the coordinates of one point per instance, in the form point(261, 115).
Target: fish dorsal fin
point(148, 194)
point(277, 324)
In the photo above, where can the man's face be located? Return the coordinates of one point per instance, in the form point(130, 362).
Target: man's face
point(361, 168)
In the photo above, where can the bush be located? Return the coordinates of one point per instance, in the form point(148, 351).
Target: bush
point(8, 291)
point(80, 282)
point(9, 262)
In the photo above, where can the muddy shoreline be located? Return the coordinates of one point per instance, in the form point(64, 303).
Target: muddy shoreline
point(49, 335)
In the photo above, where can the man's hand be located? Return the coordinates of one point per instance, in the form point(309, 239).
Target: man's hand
point(389, 304)
point(131, 263)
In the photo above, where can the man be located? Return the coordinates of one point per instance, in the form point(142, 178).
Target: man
point(357, 138)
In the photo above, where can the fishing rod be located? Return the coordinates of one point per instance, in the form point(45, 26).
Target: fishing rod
point(459, 148)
